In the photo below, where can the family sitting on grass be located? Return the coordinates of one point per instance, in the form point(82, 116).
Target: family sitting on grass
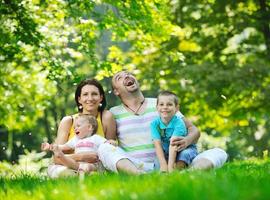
point(152, 134)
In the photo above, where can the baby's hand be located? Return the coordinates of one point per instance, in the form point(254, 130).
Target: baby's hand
point(45, 146)
point(112, 142)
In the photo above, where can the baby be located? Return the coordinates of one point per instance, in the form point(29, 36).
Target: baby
point(85, 140)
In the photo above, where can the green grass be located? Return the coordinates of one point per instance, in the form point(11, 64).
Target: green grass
point(239, 180)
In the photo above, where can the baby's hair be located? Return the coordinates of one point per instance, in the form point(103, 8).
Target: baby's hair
point(168, 93)
point(89, 119)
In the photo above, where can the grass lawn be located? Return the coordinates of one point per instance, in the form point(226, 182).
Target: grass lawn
point(238, 180)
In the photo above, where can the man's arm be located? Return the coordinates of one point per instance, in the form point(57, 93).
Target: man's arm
point(192, 136)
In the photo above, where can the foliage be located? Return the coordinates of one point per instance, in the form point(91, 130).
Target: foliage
point(213, 54)
point(30, 163)
point(236, 180)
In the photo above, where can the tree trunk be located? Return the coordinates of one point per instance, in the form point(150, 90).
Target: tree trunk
point(10, 145)
point(265, 18)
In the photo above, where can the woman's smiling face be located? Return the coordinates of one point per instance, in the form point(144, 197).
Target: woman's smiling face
point(90, 98)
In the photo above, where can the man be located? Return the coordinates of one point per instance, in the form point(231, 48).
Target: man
point(133, 118)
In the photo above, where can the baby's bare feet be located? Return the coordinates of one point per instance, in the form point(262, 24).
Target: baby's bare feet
point(57, 152)
point(87, 167)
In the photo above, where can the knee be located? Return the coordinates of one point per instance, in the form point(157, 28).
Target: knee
point(221, 157)
point(202, 163)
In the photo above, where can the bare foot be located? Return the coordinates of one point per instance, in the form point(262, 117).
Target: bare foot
point(86, 167)
point(57, 152)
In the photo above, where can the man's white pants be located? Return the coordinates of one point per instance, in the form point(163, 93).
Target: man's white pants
point(110, 155)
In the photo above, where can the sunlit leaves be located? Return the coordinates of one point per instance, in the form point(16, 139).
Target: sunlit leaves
point(211, 53)
point(189, 46)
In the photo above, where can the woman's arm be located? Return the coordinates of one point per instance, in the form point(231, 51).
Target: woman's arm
point(109, 125)
point(161, 156)
point(192, 136)
point(80, 157)
point(63, 130)
point(65, 148)
point(89, 157)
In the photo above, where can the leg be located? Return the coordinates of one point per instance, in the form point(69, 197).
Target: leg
point(185, 157)
point(125, 165)
point(65, 160)
point(212, 158)
point(72, 164)
point(180, 165)
point(56, 171)
point(115, 159)
point(202, 163)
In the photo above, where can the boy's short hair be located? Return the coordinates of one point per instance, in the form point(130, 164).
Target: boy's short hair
point(90, 119)
point(168, 93)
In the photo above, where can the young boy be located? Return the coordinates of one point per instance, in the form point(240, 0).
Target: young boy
point(166, 126)
point(85, 140)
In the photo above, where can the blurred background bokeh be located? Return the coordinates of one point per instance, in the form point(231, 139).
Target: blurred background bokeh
point(214, 54)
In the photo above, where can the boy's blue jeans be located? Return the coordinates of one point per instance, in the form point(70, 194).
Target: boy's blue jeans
point(186, 155)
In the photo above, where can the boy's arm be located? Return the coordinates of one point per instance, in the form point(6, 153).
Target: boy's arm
point(161, 156)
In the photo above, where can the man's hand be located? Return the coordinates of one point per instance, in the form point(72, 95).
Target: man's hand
point(180, 142)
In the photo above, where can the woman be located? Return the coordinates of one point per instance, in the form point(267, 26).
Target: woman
point(90, 99)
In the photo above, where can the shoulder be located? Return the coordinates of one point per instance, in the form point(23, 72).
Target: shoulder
point(95, 136)
point(155, 121)
point(67, 120)
point(179, 115)
point(107, 115)
point(178, 121)
point(116, 109)
point(73, 140)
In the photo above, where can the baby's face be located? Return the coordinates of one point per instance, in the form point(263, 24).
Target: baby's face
point(82, 128)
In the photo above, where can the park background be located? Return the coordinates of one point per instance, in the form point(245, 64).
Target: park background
point(215, 55)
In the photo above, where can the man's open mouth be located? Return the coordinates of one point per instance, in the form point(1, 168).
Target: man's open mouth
point(129, 81)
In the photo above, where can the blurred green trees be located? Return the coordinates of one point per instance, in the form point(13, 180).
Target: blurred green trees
point(214, 54)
